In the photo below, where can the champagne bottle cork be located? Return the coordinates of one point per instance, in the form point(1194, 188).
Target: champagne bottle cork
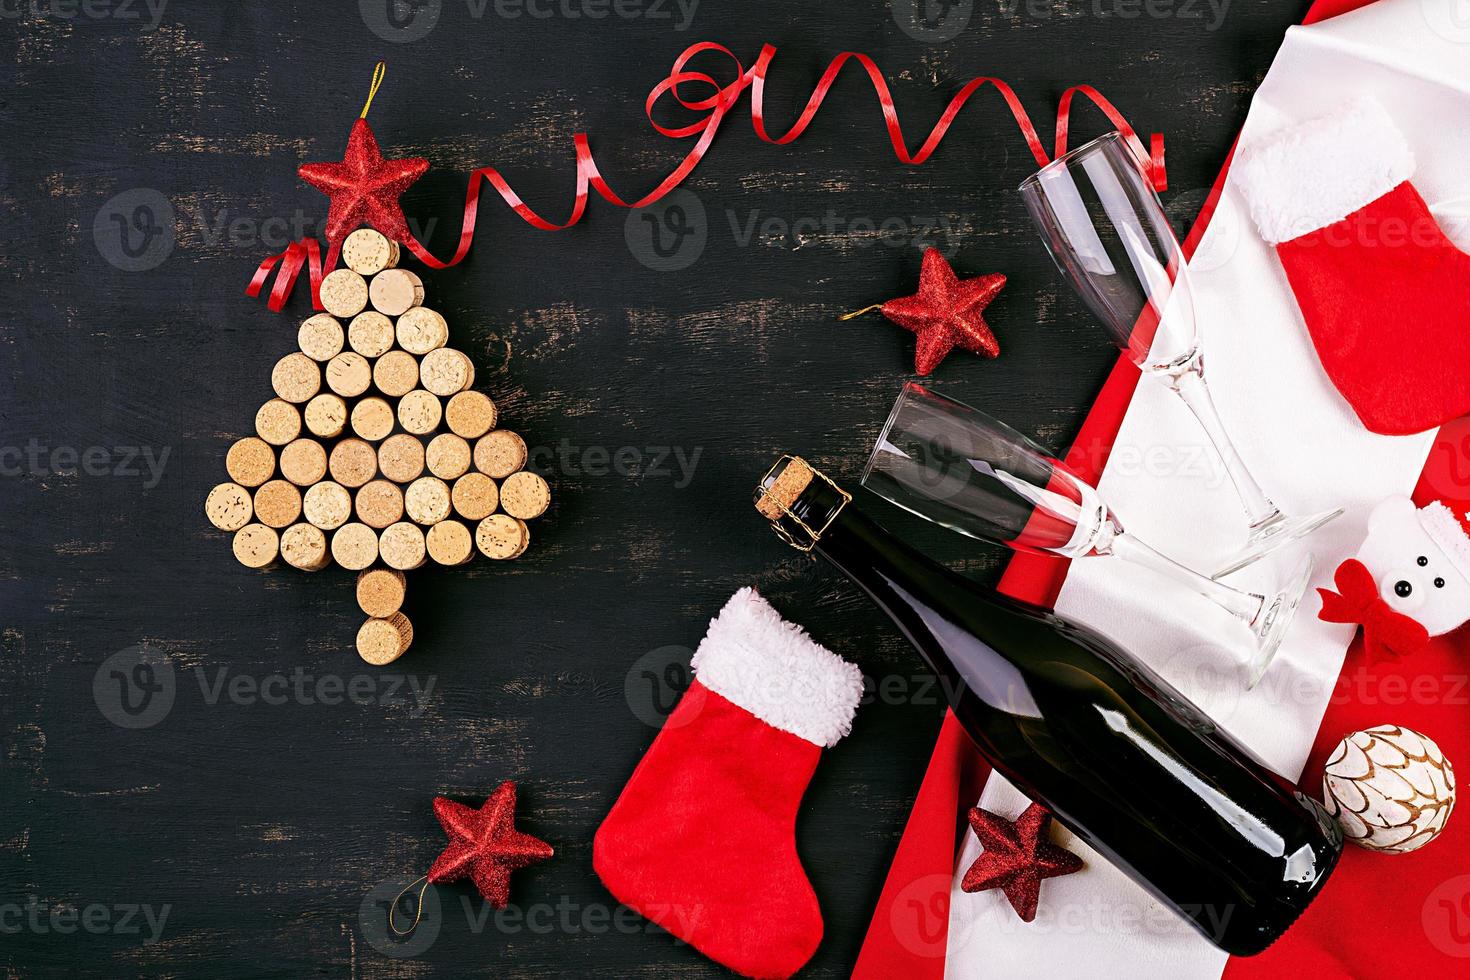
point(421, 330)
point(250, 462)
point(382, 641)
point(449, 543)
point(402, 546)
point(445, 371)
point(396, 373)
point(370, 334)
point(320, 337)
point(379, 503)
point(278, 422)
point(256, 545)
point(401, 458)
point(296, 378)
point(501, 536)
point(303, 462)
point(470, 414)
point(419, 412)
point(344, 293)
point(326, 415)
point(524, 495)
point(372, 419)
point(368, 252)
point(380, 591)
point(500, 453)
point(229, 507)
point(354, 546)
point(353, 462)
point(327, 505)
point(395, 291)
point(474, 496)
point(277, 504)
point(349, 374)
point(305, 547)
point(448, 456)
point(427, 500)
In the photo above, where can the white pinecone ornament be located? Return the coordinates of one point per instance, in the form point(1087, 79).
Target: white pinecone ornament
point(1390, 789)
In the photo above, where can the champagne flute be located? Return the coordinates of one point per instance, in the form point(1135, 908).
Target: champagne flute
point(961, 469)
point(1106, 230)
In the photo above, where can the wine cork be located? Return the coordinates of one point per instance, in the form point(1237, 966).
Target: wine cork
point(470, 414)
point(228, 507)
point(501, 536)
point(353, 462)
point(327, 505)
point(326, 415)
point(277, 504)
point(349, 374)
point(305, 547)
point(524, 495)
point(304, 462)
point(256, 545)
point(402, 546)
point(320, 337)
point(344, 293)
point(427, 500)
point(448, 456)
point(500, 453)
point(368, 252)
point(396, 373)
point(449, 543)
point(395, 291)
point(250, 462)
point(354, 546)
point(382, 641)
point(372, 419)
point(379, 503)
point(419, 412)
point(445, 371)
point(474, 496)
point(370, 334)
point(775, 499)
point(278, 422)
point(401, 458)
point(296, 378)
point(380, 591)
point(421, 330)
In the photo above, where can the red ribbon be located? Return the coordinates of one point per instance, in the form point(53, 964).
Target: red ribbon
point(1386, 632)
point(716, 105)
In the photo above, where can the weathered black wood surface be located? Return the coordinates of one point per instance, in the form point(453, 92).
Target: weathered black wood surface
point(258, 823)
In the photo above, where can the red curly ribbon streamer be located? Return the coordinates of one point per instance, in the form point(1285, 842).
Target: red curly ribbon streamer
point(717, 104)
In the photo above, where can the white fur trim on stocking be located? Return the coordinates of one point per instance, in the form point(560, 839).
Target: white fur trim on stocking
point(1307, 178)
point(772, 669)
point(1440, 523)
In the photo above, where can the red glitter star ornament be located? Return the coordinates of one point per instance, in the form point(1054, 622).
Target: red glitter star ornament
point(1018, 857)
point(945, 313)
point(484, 844)
point(364, 187)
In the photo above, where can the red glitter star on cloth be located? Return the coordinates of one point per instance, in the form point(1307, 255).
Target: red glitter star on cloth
point(364, 187)
point(1018, 857)
point(945, 313)
point(484, 844)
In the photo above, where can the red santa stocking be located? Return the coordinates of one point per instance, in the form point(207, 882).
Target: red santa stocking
point(1386, 296)
point(703, 839)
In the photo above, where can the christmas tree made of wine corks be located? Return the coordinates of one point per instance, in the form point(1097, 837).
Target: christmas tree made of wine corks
point(350, 462)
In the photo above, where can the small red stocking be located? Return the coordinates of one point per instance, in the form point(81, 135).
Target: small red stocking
point(703, 839)
point(1386, 296)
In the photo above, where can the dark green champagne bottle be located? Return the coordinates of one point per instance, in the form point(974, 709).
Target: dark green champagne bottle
point(1121, 758)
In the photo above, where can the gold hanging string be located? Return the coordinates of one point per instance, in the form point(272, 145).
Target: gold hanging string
point(379, 70)
point(866, 309)
point(418, 911)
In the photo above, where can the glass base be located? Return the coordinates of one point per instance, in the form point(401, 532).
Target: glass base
point(1271, 534)
point(1275, 619)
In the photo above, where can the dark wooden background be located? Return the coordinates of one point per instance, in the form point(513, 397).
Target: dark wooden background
point(260, 828)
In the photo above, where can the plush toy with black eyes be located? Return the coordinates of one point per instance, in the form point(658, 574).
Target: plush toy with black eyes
point(1410, 581)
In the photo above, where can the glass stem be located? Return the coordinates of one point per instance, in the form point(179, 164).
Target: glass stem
point(1245, 605)
point(1189, 385)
